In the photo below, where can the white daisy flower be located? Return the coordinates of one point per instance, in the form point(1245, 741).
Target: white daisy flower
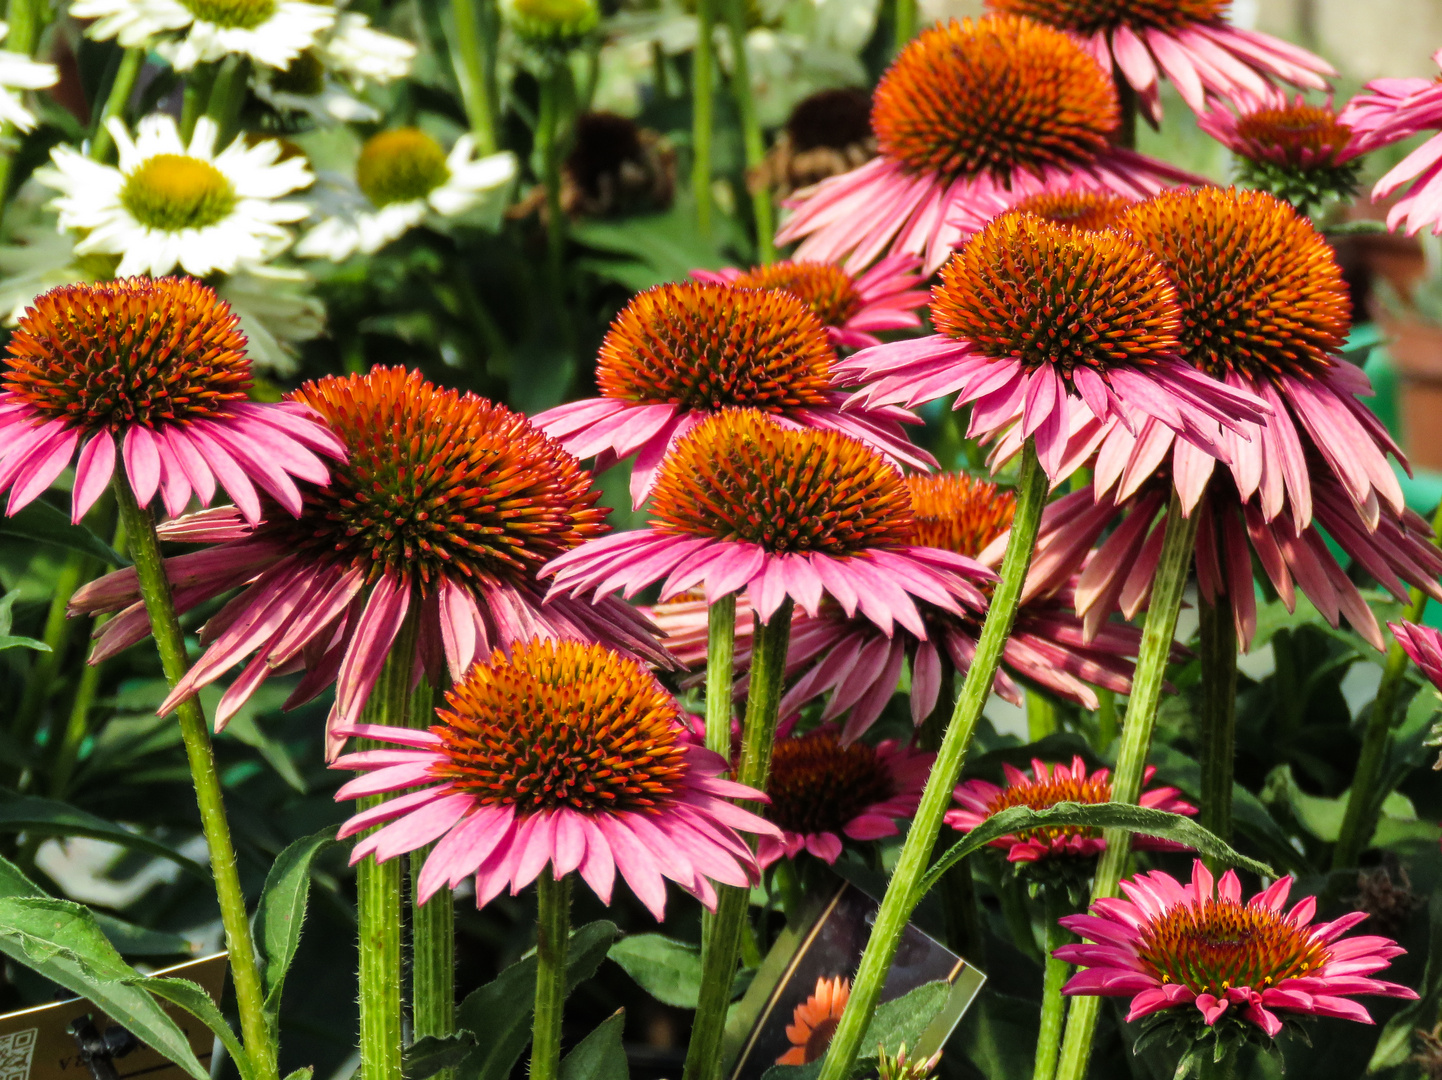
point(169, 204)
point(401, 176)
point(356, 51)
point(323, 82)
point(270, 32)
point(19, 72)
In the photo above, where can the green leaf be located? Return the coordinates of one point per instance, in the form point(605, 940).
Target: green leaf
point(670, 971)
point(132, 940)
point(906, 1018)
point(1132, 819)
point(499, 1013)
point(599, 1056)
point(194, 1000)
point(305, 1072)
point(281, 912)
point(61, 941)
point(7, 619)
point(242, 726)
point(50, 817)
point(43, 522)
point(430, 1054)
point(1394, 1045)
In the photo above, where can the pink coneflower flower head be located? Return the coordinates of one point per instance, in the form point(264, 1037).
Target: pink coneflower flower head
point(1035, 321)
point(1198, 949)
point(1092, 210)
point(822, 789)
point(1396, 109)
point(679, 353)
point(1044, 788)
point(564, 753)
point(154, 370)
point(1299, 152)
point(971, 117)
point(851, 307)
point(1424, 645)
point(743, 503)
point(1190, 42)
point(444, 512)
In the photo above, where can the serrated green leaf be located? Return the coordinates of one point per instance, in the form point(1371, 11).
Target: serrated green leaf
point(281, 913)
point(194, 1000)
point(1132, 819)
point(43, 522)
point(904, 1019)
point(61, 941)
point(50, 817)
point(599, 1056)
point(670, 971)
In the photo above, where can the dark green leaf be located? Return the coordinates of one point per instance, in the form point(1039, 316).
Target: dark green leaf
point(599, 1056)
point(904, 1019)
point(1132, 819)
point(194, 1000)
point(432, 1053)
point(1394, 1045)
point(50, 817)
point(43, 522)
point(61, 941)
point(281, 912)
point(670, 971)
point(132, 940)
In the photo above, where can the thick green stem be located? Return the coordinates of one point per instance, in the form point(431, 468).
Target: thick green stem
point(378, 887)
point(720, 674)
point(1041, 718)
point(472, 60)
point(1107, 726)
point(1364, 801)
point(903, 24)
point(120, 89)
point(227, 95)
point(1053, 1004)
point(556, 90)
point(433, 925)
point(1168, 586)
point(901, 894)
point(1218, 649)
point(753, 142)
point(553, 928)
point(722, 944)
point(198, 84)
point(195, 733)
point(702, 114)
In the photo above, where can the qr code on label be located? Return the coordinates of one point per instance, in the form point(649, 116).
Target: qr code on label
point(16, 1049)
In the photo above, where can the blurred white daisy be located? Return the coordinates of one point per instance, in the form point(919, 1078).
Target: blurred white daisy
point(270, 32)
point(168, 204)
point(356, 51)
point(401, 176)
point(323, 81)
point(19, 72)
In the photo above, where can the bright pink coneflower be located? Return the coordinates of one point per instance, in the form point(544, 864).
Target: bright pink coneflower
point(1424, 645)
point(970, 118)
point(1392, 110)
point(1170, 945)
point(852, 307)
point(1044, 788)
point(822, 789)
point(445, 510)
point(1190, 42)
point(742, 503)
point(1037, 321)
point(679, 353)
point(563, 753)
point(157, 366)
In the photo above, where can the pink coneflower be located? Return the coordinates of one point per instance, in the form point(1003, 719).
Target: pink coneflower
point(445, 510)
point(563, 753)
point(1424, 645)
point(1170, 945)
point(1036, 320)
point(970, 118)
point(158, 366)
point(679, 353)
point(1393, 110)
point(1188, 41)
point(859, 666)
point(822, 789)
point(852, 307)
point(742, 503)
point(1044, 788)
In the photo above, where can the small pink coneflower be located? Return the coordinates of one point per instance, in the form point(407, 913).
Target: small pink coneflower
point(153, 370)
point(1198, 946)
point(1037, 321)
point(1044, 788)
point(851, 307)
point(563, 753)
point(822, 789)
point(1392, 110)
point(1424, 645)
point(1190, 42)
point(679, 353)
point(970, 118)
point(445, 510)
point(744, 504)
